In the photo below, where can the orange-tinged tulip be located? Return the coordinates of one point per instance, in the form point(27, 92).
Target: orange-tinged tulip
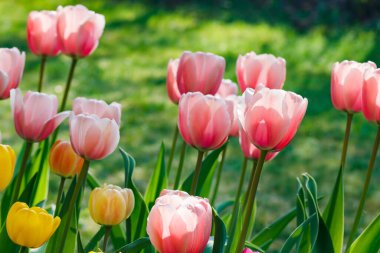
point(63, 160)
point(7, 161)
point(30, 227)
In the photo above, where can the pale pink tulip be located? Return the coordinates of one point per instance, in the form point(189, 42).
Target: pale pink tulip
point(371, 96)
point(42, 33)
point(98, 107)
point(271, 117)
point(179, 223)
point(227, 88)
point(79, 30)
point(347, 79)
point(232, 102)
point(249, 150)
point(92, 137)
point(35, 115)
point(204, 121)
point(171, 81)
point(12, 63)
point(201, 72)
point(253, 69)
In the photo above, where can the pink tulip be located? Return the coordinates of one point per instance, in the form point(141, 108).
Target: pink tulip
point(179, 223)
point(92, 137)
point(171, 81)
point(271, 117)
point(42, 33)
point(98, 107)
point(227, 88)
point(79, 30)
point(247, 250)
point(232, 102)
point(370, 98)
point(249, 150)
point(201, 72)
point(265, 69)
point(204, 121)
point(12, 63)
point(347, 79)
point(35, 115)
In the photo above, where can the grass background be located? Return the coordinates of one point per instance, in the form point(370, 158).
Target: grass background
point(129, 67)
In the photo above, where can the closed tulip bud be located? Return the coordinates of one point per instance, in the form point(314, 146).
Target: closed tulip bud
point(249, 150)
point(201, 72)
point(179, 223)
point(253, 69)
point(63, 160)
point(79, 30)
point(204, 121)
point(93, 138)
point(171, 81)
point(227, 88)
point(42, 33)
point(110, 205)
point(30, 227)
point(12, 63)
point(35, 115)
point(347, 79)
point(371, 92)
point(7, 161)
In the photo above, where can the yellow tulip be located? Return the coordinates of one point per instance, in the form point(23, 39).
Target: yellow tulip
point(110, 205)
point(30, 227)
point(7, 161)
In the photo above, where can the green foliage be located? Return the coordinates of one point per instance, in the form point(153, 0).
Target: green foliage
point(368, 240)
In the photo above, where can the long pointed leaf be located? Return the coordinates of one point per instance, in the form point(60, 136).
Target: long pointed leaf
point(369, 239)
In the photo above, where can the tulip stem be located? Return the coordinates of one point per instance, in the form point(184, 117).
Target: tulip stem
point(59, 196)
point(172, 150)
point(180, 166)
point(254, 165)
point(106, 236)
point(219, 175)
point(23, 250)
point(251, 200)
point(70, 210)
point(365, 189)
point(197, 172)
point(346, 139)
point(42, 70)
point(27, 152)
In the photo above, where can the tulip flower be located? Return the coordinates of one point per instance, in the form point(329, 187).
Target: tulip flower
point(42, 33)
point(35, 115)
point(63, 160)
point(98, 107)
point(265, 69)
point(7, 161)
point(30, 227)
point(201, 72)
point(12, 63)
point(371, 90)
point(227, 88)
point(110, 205)
point(247, 250)
point(232, 102)
point(79, 30)
point(171, 81)
point(249, 150)
point(179, 223)
point(347, 79)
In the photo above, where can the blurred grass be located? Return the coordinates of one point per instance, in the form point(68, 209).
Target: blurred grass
point(130, 67)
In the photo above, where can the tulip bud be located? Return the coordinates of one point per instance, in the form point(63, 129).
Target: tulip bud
point(7, 161)
point(30, 227)
point(371, 91)
point(227, 88)
point(12, 63)
point(171, 81)
point(110, 205)
point(63, 160)
point(247, 250)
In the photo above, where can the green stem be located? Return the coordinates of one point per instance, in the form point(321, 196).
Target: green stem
point(27, 152)
point(197, 172)
point(254, 165)
point(251, 201)
point(70, 210)
point(346, 139)
point(106, 236)
point(23, 250)
point(365, 189)
point(59, 196)
point(180, 166)
point(42, 70)
point(172, 150)
point(219, 175)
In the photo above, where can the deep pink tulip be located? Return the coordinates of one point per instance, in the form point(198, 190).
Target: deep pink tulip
point(253, 69)
point(201, 72)
point(347, 79)
point(247, 250)
point(233, 103)
point(42, 33)
point(204, 121)
point(227, 88)
point(79, 30)
point(92, 137)
point(370, 96)
point(171, 81)
point(249, 150)
point(179, 223)
point(98, 107)
point(12, 63)
point(271, 117)
point(35, 115)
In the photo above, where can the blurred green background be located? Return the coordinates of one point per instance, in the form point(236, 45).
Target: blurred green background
point(129, 67)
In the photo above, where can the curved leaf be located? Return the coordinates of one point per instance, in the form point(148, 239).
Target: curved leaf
point(369, 239)
point(220, 233)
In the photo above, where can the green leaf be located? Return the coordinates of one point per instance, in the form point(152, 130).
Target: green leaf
point(222, 207)
point(220, 233)
point(369, 239)
point(6, 245)
point(93, 243)
point(253, 247)
point(135, 246)
point(79, 244)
